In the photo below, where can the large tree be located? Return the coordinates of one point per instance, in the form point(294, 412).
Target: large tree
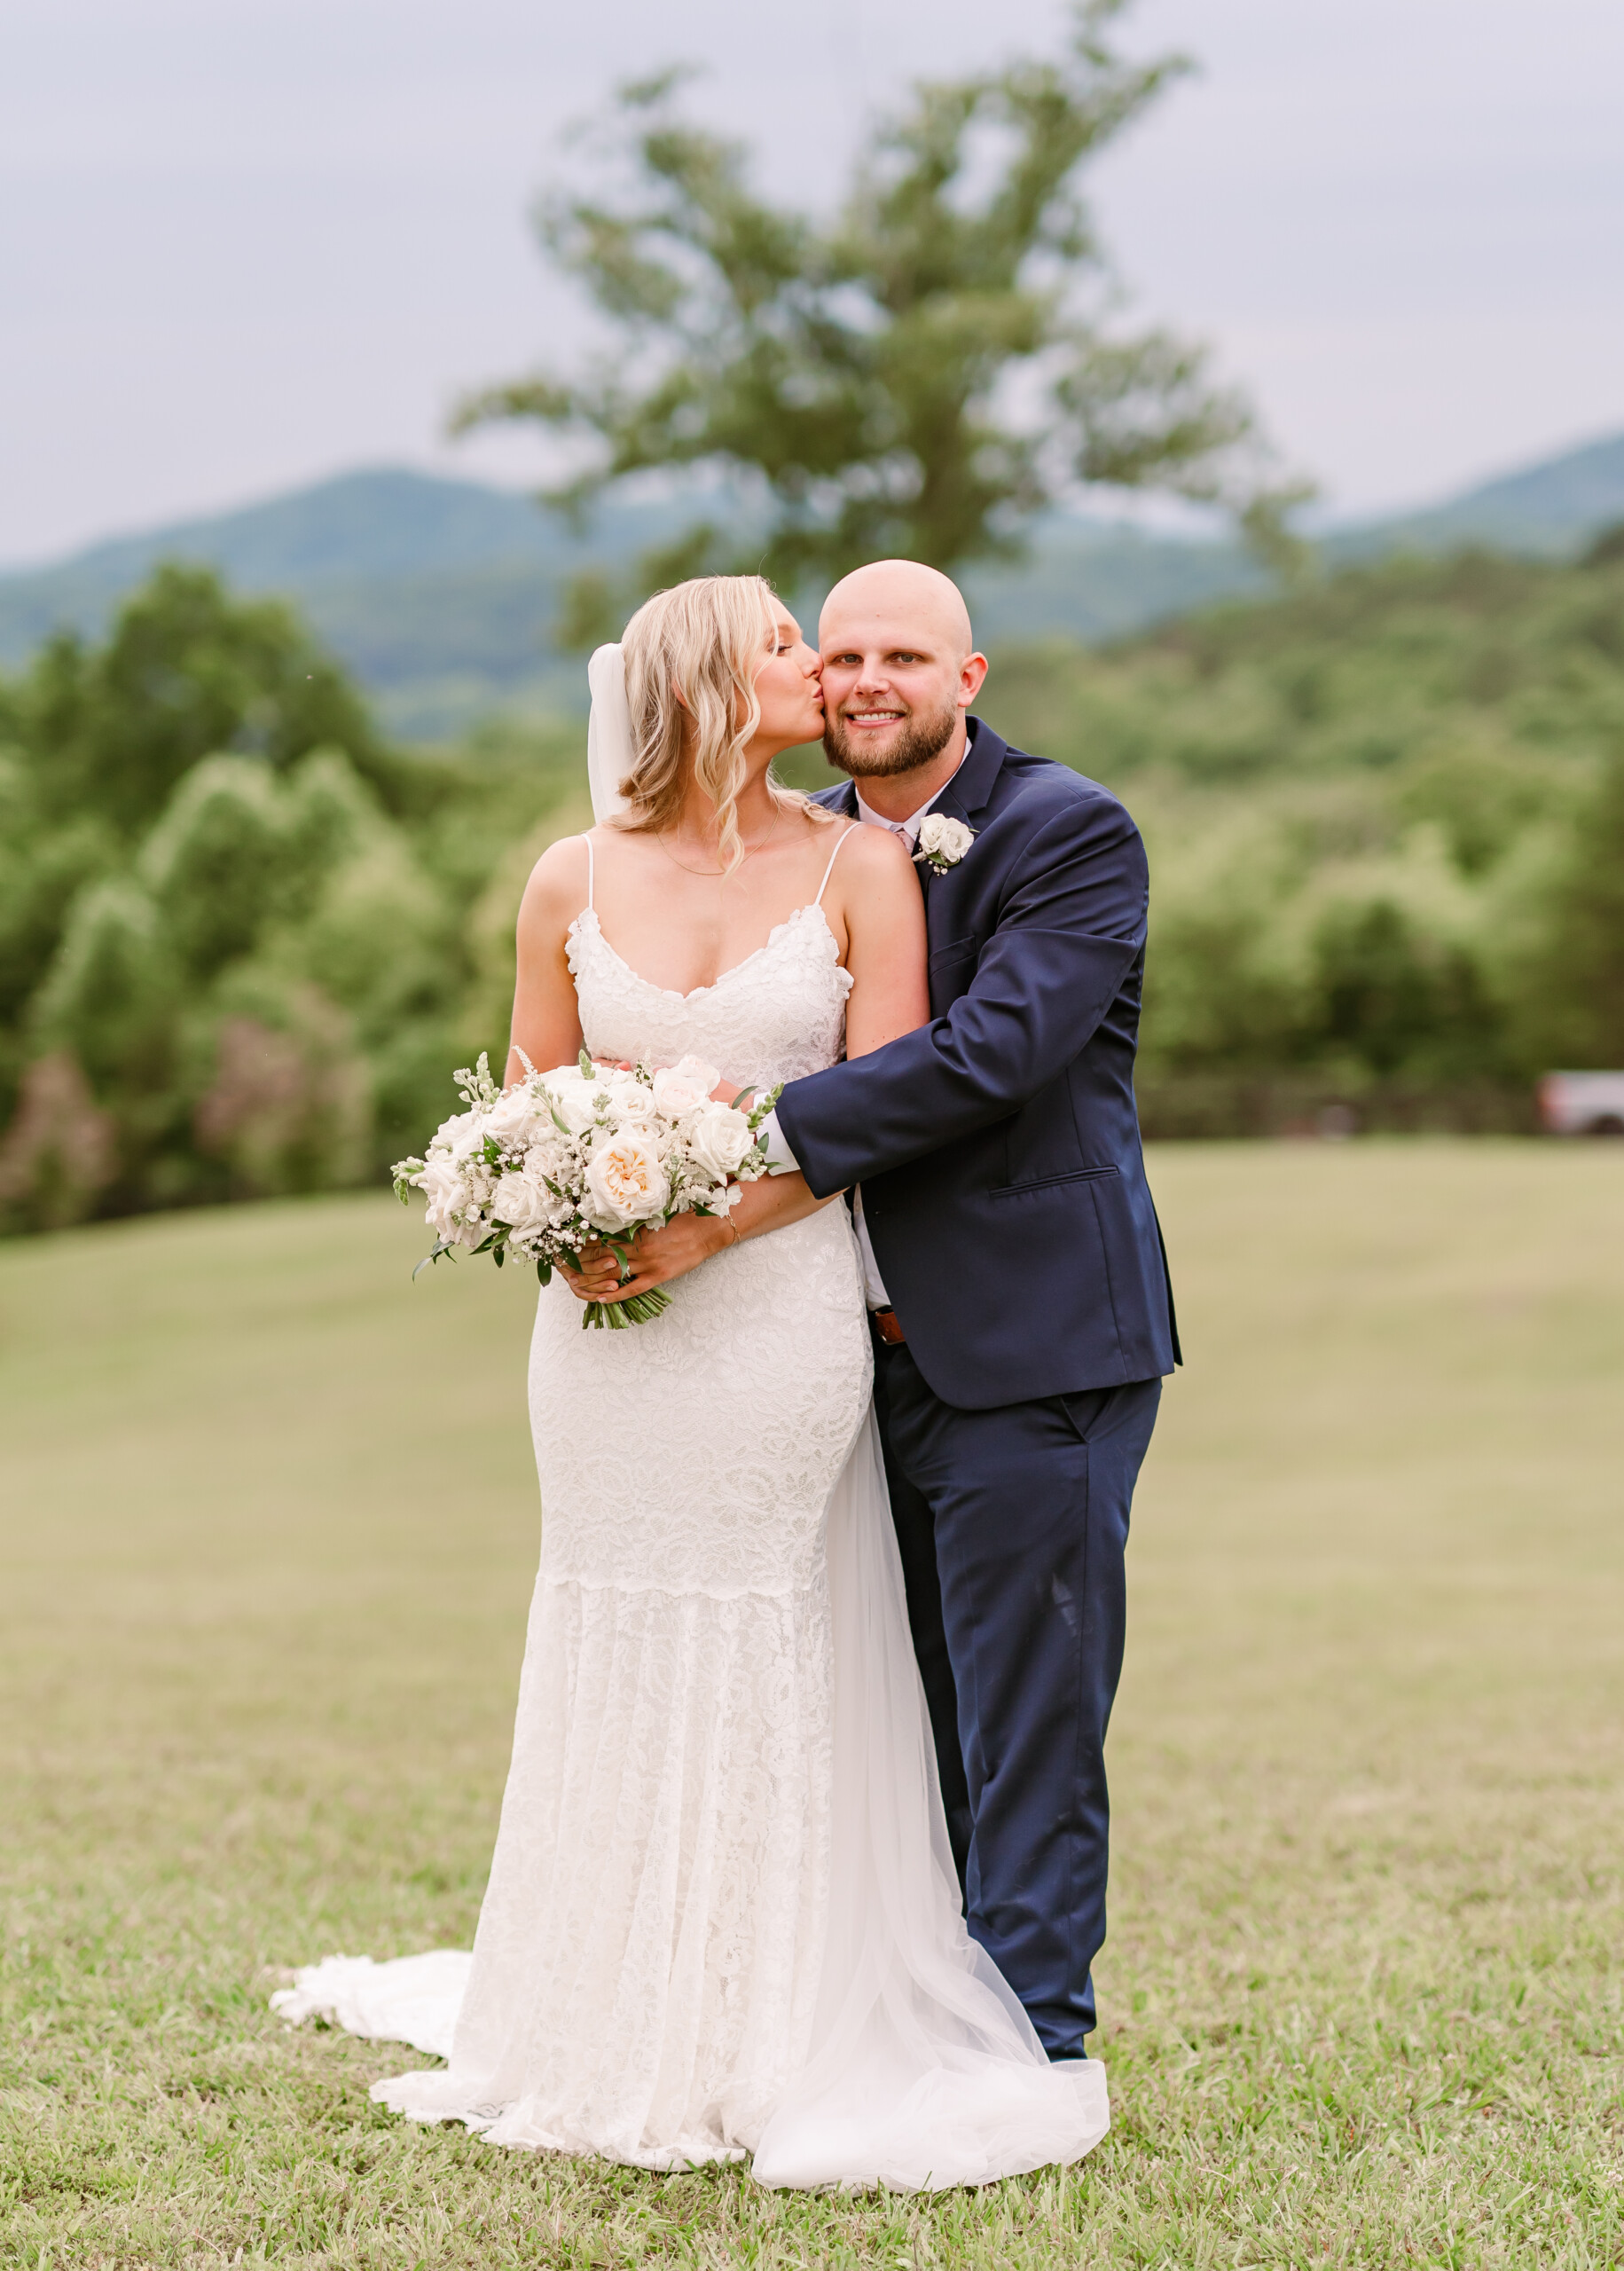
point(920, 375)
point(186, 670)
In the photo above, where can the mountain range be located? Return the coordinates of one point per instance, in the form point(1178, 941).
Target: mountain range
point(438, 594)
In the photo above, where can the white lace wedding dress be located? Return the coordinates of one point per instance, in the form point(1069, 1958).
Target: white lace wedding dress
point(722, 1915)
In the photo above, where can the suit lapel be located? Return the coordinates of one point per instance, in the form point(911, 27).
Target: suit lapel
point(964, 796)
point(972, 784)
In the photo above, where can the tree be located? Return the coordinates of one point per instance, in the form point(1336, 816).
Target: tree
point(1569, 989)
point(186, 672)
point(920, 376)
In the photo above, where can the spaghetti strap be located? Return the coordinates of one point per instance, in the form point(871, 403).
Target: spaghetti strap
point(587, 840)
point(834, 855)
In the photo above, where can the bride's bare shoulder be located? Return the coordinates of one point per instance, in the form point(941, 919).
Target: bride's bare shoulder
point(874, 859)
point(558, 885)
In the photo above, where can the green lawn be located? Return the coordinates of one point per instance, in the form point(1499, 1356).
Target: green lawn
point(269, 1531)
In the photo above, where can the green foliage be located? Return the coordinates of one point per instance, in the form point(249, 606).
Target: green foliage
point(186, 673)
point(226, 973)
point(1568, 994)
point(1385, 819)
point(856, 374)
point(1386, 834)
point(110, 993)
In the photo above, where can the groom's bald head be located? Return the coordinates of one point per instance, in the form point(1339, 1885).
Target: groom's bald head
point(899, 669)
point(904, 595)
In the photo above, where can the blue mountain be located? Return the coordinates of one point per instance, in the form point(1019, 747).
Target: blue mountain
point(439, 593)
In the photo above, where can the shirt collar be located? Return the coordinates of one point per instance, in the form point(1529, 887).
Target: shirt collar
point(907, 829)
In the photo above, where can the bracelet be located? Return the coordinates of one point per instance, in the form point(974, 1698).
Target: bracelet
point(728, 1224)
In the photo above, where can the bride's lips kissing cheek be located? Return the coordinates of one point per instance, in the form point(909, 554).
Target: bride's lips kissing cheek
point(789, 692)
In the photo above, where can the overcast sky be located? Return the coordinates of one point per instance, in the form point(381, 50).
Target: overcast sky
point(246, 242)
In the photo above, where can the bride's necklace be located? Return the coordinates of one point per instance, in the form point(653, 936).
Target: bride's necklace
point(749, 850)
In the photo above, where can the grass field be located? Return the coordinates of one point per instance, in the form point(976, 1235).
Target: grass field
point(269, 1532)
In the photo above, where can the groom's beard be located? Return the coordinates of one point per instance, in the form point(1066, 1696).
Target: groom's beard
point(924, 734)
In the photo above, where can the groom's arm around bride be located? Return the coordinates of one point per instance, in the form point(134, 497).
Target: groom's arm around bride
point(1003, 1189)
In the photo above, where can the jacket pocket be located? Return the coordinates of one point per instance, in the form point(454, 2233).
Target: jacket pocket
point(1050, 1182)
point(955, 950)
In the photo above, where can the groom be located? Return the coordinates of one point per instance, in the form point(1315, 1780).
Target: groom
point(1016, 1278)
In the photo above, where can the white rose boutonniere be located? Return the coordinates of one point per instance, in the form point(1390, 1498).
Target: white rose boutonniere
point(942, 842)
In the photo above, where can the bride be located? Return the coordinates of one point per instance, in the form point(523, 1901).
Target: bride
point(722, 1917)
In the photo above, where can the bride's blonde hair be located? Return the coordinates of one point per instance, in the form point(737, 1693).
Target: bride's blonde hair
point(692, 659)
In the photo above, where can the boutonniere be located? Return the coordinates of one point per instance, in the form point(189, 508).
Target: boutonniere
point(942, 842)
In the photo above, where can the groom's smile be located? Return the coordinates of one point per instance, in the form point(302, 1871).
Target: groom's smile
point(899, 672)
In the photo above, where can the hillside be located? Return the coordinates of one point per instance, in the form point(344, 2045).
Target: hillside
point(243, 943)
point(438, 594)
point(1546, 510)
point(1385, 818)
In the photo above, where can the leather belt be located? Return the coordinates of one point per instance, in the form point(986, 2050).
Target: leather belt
point(888, 1327)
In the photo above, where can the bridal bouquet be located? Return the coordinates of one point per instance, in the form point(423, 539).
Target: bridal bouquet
point(587, 1153)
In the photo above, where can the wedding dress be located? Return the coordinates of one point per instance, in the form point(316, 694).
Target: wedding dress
point(722, 1916)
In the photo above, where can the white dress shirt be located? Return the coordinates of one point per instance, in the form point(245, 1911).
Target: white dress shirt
point(780, 1159)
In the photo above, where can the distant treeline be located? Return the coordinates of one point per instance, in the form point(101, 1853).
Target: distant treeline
point(243, 942)
point(1385, 819)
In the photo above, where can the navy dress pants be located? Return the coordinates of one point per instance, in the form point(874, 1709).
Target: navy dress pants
point(1013, 1526)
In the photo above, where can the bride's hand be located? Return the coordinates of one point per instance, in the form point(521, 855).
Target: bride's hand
point(658, 1256)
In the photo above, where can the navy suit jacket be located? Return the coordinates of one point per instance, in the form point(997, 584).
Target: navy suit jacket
point(998, 1146)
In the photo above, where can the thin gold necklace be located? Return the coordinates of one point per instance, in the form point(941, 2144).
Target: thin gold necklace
point(713, 873)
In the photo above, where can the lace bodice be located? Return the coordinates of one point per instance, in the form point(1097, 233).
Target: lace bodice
point(777, 1015)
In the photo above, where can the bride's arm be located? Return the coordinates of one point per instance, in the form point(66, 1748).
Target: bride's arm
point(879, 904)
point(879, 911)
point(546, 1015)
point(771, 1203)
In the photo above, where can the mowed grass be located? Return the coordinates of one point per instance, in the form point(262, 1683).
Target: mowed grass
point(270, 1527)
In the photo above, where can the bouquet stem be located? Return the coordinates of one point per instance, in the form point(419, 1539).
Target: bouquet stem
point(618, 1315)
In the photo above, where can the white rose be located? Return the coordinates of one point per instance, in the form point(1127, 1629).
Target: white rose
point(513, 1115)
point(684, 1086)
point(459, 1134)
point(546, 1152)
point(630, 1099)
point(625, 1180)
point(522, 1201)
point(944, 840)
point(573, 1098)
point(446, 1194)
point(719, 1139)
